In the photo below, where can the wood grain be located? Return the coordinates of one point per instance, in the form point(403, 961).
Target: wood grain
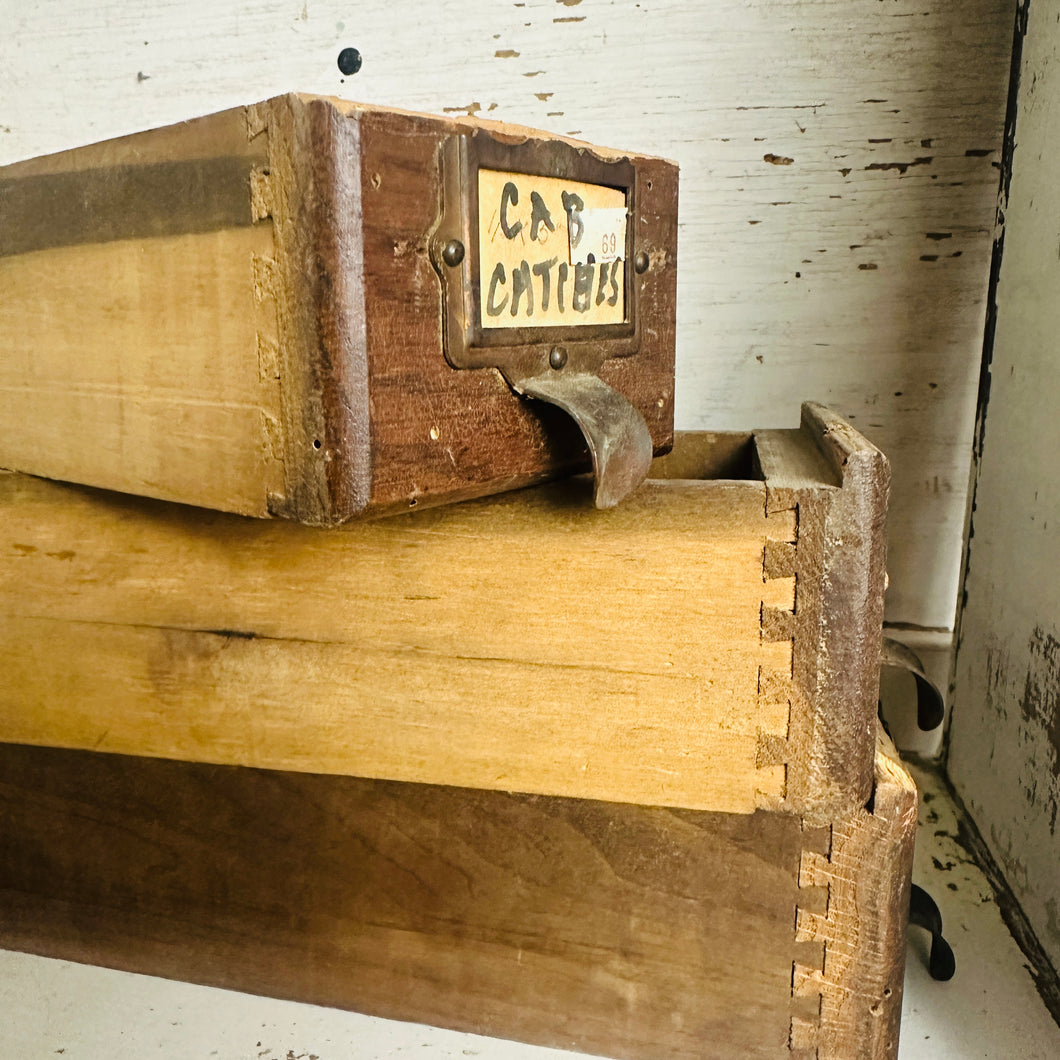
point(713, 644)
point(621, 930)
point(521, 643)
point(126, 269)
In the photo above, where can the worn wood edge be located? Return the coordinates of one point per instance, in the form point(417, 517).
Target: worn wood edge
point(837, 483)
point(774, 692)
point(313, 192)
point(854, 881)
point(504, 131)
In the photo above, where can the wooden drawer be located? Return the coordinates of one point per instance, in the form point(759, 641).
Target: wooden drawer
point(610, 928)
point(712, 643)
point(242, 311)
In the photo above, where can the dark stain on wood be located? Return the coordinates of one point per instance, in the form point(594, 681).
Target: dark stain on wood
point(938, 235)
point(566, 922)
point(777, 160)
point(123, 202)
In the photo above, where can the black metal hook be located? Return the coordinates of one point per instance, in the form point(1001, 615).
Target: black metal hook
point(923, 912)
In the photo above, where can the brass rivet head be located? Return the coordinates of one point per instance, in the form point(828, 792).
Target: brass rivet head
point(640, 262)
point(453, 253)
point(557, 357)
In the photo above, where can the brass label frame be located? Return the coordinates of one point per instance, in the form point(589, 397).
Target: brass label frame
point(521, 351)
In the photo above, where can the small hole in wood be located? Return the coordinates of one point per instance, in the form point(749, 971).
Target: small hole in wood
point(316, 443)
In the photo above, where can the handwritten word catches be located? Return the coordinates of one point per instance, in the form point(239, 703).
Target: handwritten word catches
point(536, 265)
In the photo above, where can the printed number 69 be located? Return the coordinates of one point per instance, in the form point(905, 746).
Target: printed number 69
point(610, 243)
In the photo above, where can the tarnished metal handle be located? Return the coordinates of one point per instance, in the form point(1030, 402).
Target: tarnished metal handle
point(930, 706)
point(617, 435)
point(924, 913)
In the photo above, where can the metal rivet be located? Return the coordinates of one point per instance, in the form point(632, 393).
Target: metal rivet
point(640, 262)
point(453, 253)
point(557, 357)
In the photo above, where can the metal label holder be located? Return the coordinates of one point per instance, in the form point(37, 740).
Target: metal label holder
point(557, 364)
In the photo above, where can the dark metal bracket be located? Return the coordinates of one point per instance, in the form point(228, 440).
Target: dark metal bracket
point(924, 913)
point(930, 705)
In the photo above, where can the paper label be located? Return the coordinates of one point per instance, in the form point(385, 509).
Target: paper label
point(550, 252)
point(602, 237)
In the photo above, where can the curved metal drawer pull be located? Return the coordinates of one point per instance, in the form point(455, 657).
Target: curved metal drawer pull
point(930, 706)
point(617, 435)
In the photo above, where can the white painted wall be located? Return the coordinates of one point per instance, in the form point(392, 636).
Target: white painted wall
point(1005, 737)
point(838, 175)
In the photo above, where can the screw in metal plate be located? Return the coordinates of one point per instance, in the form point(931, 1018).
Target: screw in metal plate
point(640, 262)
point(453, 253)
point(557, 357)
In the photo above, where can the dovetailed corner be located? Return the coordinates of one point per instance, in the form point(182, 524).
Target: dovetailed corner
point(268, 358)
point(266, 277)
point(814, 870)
point(772, 750)
point(257, 119)
point(777, 624)
point(261, 204)
point(803, 1037)
point(778, 559)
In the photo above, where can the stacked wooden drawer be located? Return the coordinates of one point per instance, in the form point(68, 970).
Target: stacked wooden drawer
point(604, 780)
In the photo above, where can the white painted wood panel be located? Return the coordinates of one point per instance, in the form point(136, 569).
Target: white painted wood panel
point(1005, 737)
point(838, 175)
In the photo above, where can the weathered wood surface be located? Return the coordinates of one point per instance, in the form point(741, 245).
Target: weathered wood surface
point(242, 313)
point(854, 93)
point(523, 643)
point(840, 578)
point(132, 369)
point(616, 929)
point(1005, 736)
point(711, 644)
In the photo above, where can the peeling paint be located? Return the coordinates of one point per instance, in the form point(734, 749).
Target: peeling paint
point(1040, 704)
point(901, 167)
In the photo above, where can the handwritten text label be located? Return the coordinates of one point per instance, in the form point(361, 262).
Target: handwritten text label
point(539, 262)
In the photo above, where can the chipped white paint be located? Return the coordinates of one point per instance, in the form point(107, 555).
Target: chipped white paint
point(838, 175)
point(1005, 754)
